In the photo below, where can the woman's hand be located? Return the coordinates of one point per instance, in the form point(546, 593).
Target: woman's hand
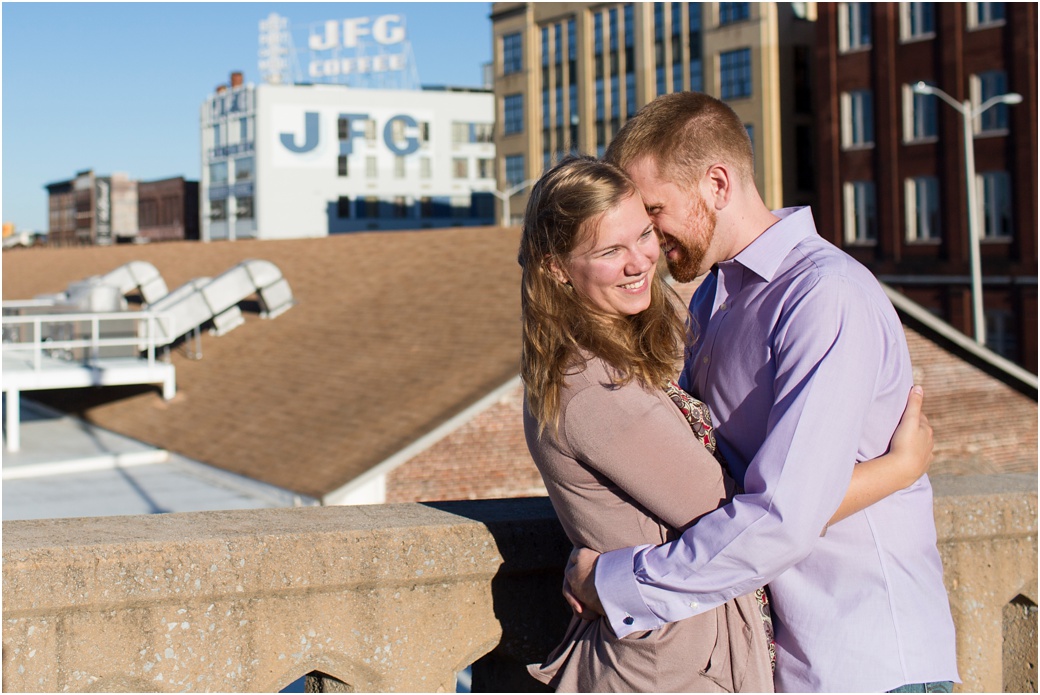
point(912, 442)
point(908, 458)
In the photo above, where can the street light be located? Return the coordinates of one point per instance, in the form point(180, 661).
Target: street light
point(505, 195)
point(968, 115)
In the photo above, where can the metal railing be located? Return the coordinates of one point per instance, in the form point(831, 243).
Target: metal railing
point(83, 336)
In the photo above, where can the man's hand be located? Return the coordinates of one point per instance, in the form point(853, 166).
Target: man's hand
point(579, 584)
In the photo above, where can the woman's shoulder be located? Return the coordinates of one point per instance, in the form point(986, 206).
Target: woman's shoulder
point(587, 371)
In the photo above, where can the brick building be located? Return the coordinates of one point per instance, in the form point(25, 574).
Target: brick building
point(168, 209)
point(91, 209)
point(892, 184)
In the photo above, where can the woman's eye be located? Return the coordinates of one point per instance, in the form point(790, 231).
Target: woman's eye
point(647, 233)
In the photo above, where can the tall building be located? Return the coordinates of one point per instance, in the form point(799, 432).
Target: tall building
point(309, 160)
point(568, 76)
point(893, 167)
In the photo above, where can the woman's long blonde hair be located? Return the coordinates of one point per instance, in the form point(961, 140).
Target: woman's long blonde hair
point(566, 205)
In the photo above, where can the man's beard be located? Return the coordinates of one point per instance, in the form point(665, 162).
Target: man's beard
point(700, 229)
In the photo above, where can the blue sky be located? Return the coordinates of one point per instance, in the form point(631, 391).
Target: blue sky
point(118, 86)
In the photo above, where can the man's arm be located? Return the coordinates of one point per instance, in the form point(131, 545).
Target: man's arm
point(828, 355)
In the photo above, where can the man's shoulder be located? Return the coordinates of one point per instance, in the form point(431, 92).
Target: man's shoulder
point(816, 262)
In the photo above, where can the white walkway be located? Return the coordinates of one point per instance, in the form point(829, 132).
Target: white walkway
point(69, 468)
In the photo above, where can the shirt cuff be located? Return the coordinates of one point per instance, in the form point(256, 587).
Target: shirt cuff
point(619, 593)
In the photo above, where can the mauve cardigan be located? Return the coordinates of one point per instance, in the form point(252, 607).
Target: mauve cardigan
point(625, 469)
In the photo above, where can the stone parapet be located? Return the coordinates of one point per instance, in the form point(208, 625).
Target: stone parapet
point(394, 597)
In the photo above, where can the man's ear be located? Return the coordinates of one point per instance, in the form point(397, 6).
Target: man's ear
point(554, 269)
point(719, 182)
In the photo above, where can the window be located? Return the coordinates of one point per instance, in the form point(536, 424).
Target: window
point(459, 132)
point(920, 115)
point(982, 15)
point(218, 210)
point(860, 213)
point(486, 168)
point(244, 169)
point(514, 169)
point(460, 167)
point(730, 12)
point(218, 173)
point(802, 80)
point(857, 119)
point(735, 74)
point(987, 85)
point(995, 198)
point(343, 128)
point(1000, 332)
point(696, 58)
point(243, 130)
point(370, 131)
point(512, 54)
point(917, 20)
point(424, 132)
point(217, 141)
point(341, 166)
point(244, 207)
point(513, 107)
point(343, 207)
point(400, 206)
point(371, 168)
point(482, 132)
point(399, 167)
point(853, 25)
point(803, 148)
point(425, 168)
point(922, 209)
point(367, 207)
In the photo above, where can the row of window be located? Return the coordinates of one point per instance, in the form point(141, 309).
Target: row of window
point(923, 220)
point(218, 209)
point(916, 21)
point(735, 82)
point(921, 112)
point(243, 170)
point(461, 167)
point(729, 13)
point(477, 205)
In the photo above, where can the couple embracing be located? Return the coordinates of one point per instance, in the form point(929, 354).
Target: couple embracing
point(783, 536)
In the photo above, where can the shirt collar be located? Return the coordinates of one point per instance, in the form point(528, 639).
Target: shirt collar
point(764, 255)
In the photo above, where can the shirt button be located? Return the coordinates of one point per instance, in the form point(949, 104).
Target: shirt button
point(693, 604)
point(722, 307)
point(706, 359)
point(628, 620)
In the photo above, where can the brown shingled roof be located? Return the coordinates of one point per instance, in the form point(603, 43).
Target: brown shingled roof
point(393, 333)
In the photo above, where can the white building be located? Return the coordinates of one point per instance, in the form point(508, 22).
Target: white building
point(288, 161)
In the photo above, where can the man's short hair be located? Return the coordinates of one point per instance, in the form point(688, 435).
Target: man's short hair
point(684, 134)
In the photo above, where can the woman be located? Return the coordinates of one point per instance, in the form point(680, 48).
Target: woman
point(602, 339)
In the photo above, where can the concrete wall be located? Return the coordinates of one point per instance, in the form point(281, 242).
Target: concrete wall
point(397, 597)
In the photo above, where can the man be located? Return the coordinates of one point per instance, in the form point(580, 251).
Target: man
point(804, 363)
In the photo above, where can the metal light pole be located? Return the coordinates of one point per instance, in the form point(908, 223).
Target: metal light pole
point(968, 116)
point(505, 195)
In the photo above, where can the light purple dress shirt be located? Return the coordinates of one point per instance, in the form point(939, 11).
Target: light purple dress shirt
point(804, 363)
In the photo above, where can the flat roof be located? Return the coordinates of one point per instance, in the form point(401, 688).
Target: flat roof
point(70, 468)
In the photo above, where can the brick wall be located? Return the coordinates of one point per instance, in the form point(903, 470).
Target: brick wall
point(485, 458)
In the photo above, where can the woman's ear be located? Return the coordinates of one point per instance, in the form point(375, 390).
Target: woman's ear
point(556, 271)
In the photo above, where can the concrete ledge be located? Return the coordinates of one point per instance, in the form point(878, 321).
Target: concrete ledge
point(388, 597)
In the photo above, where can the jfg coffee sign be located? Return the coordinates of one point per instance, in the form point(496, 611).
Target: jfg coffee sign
point(341, 49)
